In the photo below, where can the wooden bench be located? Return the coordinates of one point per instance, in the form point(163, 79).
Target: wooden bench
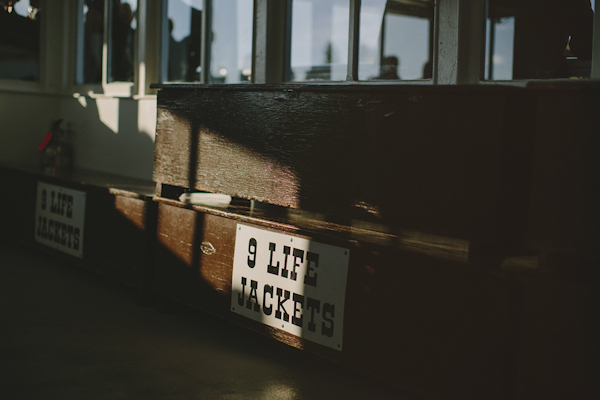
point(114, 234)
point(471, 245)
point(426, 187)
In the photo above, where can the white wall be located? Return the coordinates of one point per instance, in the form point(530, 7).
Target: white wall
point(113, 135)
point(24, 118)
point(109, 134)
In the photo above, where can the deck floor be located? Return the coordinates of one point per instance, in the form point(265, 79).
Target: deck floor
point(68, 333)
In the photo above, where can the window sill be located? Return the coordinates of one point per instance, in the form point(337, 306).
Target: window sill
point(117, 89)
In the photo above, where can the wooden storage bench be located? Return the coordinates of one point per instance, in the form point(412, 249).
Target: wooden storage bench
point(447, 160)
point(425, 188)
point(413, 312)
point(102, 222)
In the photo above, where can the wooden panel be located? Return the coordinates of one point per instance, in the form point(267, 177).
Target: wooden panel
point(434, 326)
point(450, 161)
point(17, 204)
point(119, 226)
point(193, 264)
point(115, 235)
point(565, 217)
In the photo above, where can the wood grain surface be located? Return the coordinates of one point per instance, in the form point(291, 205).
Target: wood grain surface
point(454, 161)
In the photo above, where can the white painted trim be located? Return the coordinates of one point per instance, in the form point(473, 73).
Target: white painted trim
point(596, 44)
point(458, 42)
point(153, 45)
point(139, 59)
point(105, 53)
point(119, 89)
point(269, 41)
point(67, 62)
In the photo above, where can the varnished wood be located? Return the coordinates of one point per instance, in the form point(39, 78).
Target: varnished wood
point(566, 174)
point(453, 161)
point(291, 220)
point(406, 315)
point(119, 225)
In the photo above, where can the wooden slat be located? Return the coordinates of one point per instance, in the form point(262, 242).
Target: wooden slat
point(564, 214)
point(290, 220)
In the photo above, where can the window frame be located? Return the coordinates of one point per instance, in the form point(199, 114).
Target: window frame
point(272, 45)
point(480, 36)
point(458, 45)
point(205, 42)
point(18, 85)
point(458, 49)
point(144, 60)
point(163, 60)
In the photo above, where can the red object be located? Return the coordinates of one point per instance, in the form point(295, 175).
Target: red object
point(45, 141)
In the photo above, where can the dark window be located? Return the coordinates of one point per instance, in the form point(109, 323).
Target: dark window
point(91, 41)
point(20, 40)
point(538, 39)
point(122, 40)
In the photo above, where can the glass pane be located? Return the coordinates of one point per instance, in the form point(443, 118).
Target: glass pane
point(89, 61)
point(231, 44)
point(396, 39)
point(538, 39)
point(319, 42)
point(122, 40)
point(182, 44)
point(20, 40)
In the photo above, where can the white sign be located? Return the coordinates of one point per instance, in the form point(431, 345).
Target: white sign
point(290, 283)
point(59, 216)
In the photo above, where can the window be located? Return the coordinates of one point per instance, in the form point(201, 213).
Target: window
point(226, 50)
point(433, 41)
point(393, 40)
point(20, 40)
point(181, 43)
point(396, 39)
point(231, 41)
point(121, 48)
point(319, 40)
point(538, 39)
point(91, 42)
point(115, 62)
